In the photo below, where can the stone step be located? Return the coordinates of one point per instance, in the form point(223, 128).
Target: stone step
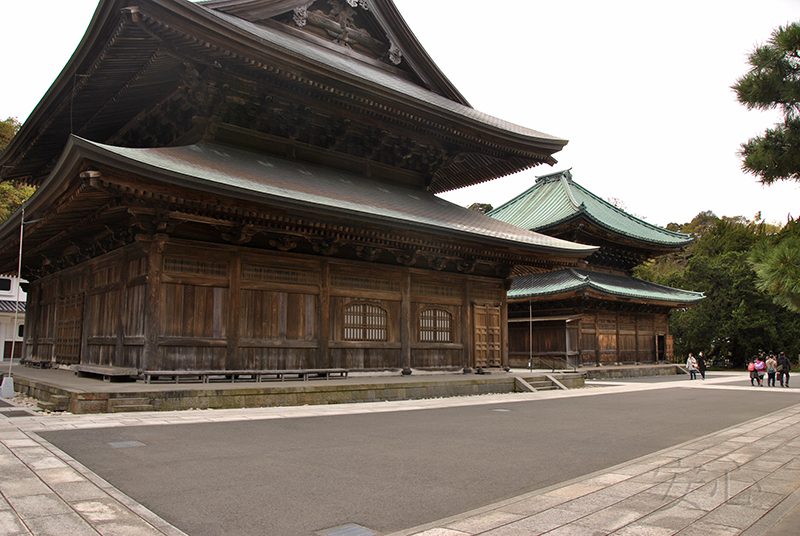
point(61, 402)
point(126, 408)
point(119, 405)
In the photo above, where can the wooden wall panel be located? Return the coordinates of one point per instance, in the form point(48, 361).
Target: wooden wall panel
point(99, 354)
point(607, 347)
point(102, 310)
point(647, 348)
point(133, 320)
point(301, 310)
point(366, 358)
point(194, 311)
point(436, 358)
point(131, 356)
point(275, 358)
point(190, 358)
point(269, 315)
point(627, 348)
point(259, 315)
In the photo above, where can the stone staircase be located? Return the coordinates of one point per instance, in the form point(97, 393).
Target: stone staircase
point(125, 405)
point(545, 382)
point(55, 403)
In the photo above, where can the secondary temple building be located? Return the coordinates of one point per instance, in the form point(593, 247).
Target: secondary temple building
point(249, 185)
point(596, 313)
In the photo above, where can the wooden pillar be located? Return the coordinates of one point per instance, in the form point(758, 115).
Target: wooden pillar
point(655, 340)
point(119, 350)
point(152, 325)
point(636, 331)
point(84, 283)
point(232, 360)
point(616, 324)
point(323, 359)
point(467, 333)
point(406, 324)
point(504, 323)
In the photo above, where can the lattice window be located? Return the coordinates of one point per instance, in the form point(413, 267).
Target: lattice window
point(435, 325)
point(487, 294)
point(441, 291)
point(363, 283)
point(280, 275)
point(187, 266)
point(365, 322)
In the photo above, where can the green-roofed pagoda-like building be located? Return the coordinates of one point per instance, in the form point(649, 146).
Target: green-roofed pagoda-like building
point(596, 313)
point(248, 185)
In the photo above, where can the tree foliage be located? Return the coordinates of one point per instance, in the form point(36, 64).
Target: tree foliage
point(11, 195)
point(483, 208)
point(11, 198)
point(738, 318)
point(773, 82)
point(776, 262)
point(8, 129)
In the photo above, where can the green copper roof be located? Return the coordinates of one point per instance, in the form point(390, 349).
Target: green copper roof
point(216, 168)
point(556, 199)
point(572, 281)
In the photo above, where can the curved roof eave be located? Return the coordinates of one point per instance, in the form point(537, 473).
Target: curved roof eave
point(431, 217)
point(63, 82)
point(388, 16)
point(580, 207)
point(517, 139)
point(616, 286)
point(347, 69)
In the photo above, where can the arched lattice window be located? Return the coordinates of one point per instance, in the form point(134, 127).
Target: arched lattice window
point(364, 322)
point(435, 325)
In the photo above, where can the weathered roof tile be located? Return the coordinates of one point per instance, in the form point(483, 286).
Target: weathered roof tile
point(574, 280)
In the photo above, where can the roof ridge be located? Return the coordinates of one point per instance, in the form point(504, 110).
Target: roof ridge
point(566, 180)
point(628, 215)
point(580, 276)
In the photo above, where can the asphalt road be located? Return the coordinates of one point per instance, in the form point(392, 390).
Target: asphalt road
point(391, 471)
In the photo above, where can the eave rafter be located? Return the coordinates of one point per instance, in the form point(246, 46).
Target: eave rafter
point(477, 151)
point(121, 210)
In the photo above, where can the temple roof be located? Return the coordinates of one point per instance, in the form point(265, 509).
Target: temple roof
point(222, 194)
point(173, 72)
point(556, 200)
point(384, 14)
point(212, 168)
point(571, 282)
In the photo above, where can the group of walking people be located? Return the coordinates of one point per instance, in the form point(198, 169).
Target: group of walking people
point(759, 366)
point(772, 366)
point(695, 365)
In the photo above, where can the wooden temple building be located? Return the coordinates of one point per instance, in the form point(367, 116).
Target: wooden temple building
point(250, 185)
point(597, 313)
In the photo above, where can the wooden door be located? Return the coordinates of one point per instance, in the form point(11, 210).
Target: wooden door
point(69, 329)
point(488, 336)
point(669, 353)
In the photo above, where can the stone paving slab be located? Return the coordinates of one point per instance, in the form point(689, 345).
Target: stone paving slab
point(45, 492)
point(742, 480)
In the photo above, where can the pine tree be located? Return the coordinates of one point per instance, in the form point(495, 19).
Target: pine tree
point(773, 82)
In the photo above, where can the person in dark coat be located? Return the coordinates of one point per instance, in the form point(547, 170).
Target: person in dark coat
point(701, 365)
point(784, 366)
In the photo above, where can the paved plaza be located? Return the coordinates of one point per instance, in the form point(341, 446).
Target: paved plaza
point(718, 457)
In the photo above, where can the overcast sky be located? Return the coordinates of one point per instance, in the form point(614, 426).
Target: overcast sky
point(640, 89)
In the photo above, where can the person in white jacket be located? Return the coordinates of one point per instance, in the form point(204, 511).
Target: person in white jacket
point(691, 366)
